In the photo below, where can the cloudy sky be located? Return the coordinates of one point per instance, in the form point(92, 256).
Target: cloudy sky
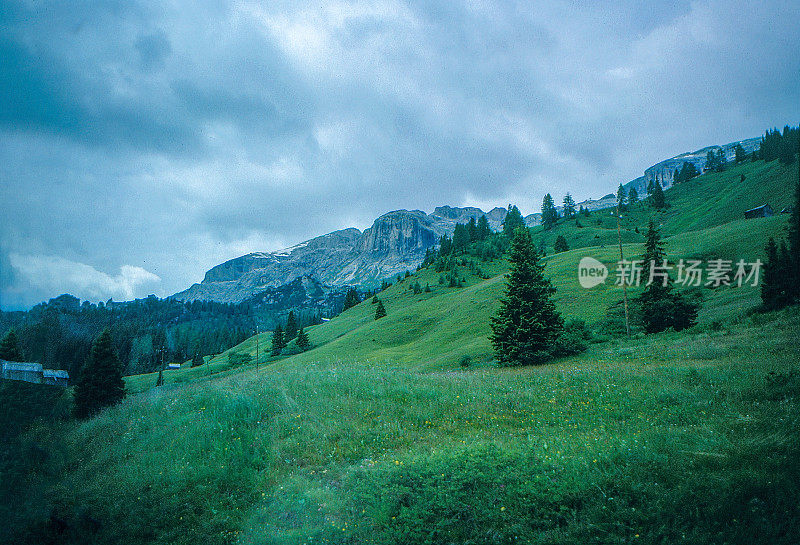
point(142, 142)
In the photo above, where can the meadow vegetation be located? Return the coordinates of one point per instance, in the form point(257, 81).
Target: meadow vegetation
point(404, 429)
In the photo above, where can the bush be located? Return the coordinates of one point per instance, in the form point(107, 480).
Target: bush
point(465, 361)
point(239, 358)
point(574, 339)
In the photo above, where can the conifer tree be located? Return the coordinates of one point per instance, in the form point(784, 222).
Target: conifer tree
point(351, 299)
point(661, 306)
point(622, 198)
point(739, 153)
point(472, 230)
point(290, 331)
point(197, 360)
point(303, 342)
point(526, 327)
point(561, 244)
point(278, 341)
point(512, 221)
point(633, 196)
point(380, 311)
point(100, 383)
point(569, 206)
point(794, 235)
point(549, 212)
point(9, 347)
point(483, 228)
point(658, 196)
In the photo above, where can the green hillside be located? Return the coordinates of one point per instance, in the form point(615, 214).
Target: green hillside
point(379, 435)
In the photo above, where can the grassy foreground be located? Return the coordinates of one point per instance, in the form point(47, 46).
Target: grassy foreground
point(378, 436)
point(672, 439)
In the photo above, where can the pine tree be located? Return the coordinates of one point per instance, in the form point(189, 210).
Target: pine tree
point(569, 206)
point(658, 196)
point(9, 347)
point(472, 230)
point(561, 244)
point(549, 212)
point(622, 198)
point(633, 196)
point(303, 342)
point(526, 327)
point(483, 228)
point(512, 221)
point(794, 235)
point(380, 311)
point(197, 360)
point(278, 341)
point(740, 154)
point(100, 383)
point(661, 306)
point(351, 299)
point(290, 331)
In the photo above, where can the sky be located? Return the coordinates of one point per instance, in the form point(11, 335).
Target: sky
point(144, 141)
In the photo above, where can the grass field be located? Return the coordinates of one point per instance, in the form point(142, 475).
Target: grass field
point(378, 435)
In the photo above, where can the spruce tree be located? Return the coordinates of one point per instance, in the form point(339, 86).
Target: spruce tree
point(197, 360)
point(278, 341)
point(351, 299)
point(549, 212)
point(512, 221)
point(290, 331)
point(661, 306)
point(633, 196)
point(100, 383)
point(561, 244)
point(658, 196)
point(525, 329)
point(303, 342)
point(622, 198)
point(9, 347)
point(569, 206)
point(794, 236)
point(472, 230)
point(380, 311)
point(483, 228)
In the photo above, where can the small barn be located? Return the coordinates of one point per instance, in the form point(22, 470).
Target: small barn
point(55, 377)
point(763, 211)
point(29, 372)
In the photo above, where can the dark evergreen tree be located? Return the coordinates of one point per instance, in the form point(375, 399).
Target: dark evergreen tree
point(561, 244)
point(278, 341)
point(197, 360)
point(662, 307)
point(483, 228)
point(774, 285)
point(100, 383)
point(525, 329)
point(622, 198)
point(290, 331)
point(460, 237)
point(512, 220)
point(9, 347)
point(380, 311)
point(303, 342)
point(569, 206)
point(549, 212)
point(658, 196)
point(740, 154)
point(633, 196)
point(472, 230)
point(794, 234)
point(351, 299)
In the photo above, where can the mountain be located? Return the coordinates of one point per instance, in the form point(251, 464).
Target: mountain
point(665, 170)
point(396, 242)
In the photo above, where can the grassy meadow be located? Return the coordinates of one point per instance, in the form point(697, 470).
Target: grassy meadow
point(379, 435)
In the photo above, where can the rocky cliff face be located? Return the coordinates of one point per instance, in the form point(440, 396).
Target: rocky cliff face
point(665, 170)
point(395, 242)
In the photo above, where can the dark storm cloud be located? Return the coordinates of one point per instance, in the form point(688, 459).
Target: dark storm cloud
point(143, 142)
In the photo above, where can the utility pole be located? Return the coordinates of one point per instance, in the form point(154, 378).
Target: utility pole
point(624, 280)
point(256, 347)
